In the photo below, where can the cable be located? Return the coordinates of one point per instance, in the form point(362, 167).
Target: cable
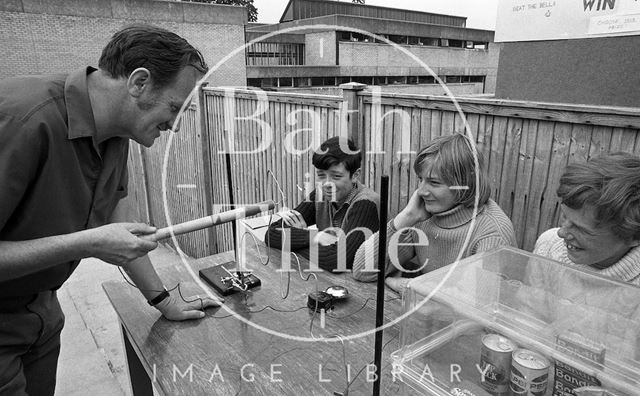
point(177, 286)
point(361, 308)
point(260, 310)
point(346, 391)
point(273, 176)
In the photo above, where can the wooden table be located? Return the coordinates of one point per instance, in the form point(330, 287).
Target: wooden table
point(222, 355)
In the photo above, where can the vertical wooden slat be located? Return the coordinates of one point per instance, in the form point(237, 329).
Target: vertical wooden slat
point(523, 180)
point(580, 142)
point(510, 165)
point(397, 164)
point(550, 210)
point(539, 178)
point(623, 140)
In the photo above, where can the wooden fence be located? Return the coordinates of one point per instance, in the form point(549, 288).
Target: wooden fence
point(270, 136)
point(526, 147)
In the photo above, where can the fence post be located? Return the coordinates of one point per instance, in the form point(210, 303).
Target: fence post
point(354, 129)
point(206, 166)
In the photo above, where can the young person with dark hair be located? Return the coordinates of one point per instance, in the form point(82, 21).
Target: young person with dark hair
point(600, 224)
point(64, 143)
point(431, 231)
point(344, 211)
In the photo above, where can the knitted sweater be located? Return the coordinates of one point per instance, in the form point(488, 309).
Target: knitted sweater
point(359, 210)
point(445, 232)
point(550, 245)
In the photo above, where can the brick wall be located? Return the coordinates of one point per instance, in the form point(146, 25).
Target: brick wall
point(55, 36)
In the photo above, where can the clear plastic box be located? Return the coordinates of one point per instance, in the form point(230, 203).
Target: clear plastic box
point(586, 326)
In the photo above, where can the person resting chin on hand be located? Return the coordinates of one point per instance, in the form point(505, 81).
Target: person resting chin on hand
point(431, 231)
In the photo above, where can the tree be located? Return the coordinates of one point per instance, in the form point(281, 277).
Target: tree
point(252, 11)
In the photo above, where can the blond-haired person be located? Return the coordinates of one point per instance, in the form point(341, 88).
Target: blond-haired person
point(435, 223)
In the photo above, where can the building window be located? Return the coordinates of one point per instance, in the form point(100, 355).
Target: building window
point(275, 54)
point(329, 81)
point(454, 43)
point(397, 79)
point(426, 80)
point(413, 40)
point(362, 80)
point(301, 82)
point(380, 80)
point(398, 39)
point(472, 79)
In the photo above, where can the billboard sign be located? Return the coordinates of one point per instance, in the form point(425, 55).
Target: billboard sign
point(528, 20)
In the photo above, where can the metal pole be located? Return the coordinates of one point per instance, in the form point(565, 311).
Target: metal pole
point(382, 254)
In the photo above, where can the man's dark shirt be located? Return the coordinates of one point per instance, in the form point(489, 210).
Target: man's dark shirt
point(53, 179)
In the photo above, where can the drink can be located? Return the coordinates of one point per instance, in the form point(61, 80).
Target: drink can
point(529, 373)
point(495, 363)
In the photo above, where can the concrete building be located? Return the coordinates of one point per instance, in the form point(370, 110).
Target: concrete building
point(333, 44)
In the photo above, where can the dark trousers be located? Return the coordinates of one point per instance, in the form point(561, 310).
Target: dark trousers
point(29, 344)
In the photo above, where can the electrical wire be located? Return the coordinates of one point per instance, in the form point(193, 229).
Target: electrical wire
point(260, 310)
point(361, 308)
point(177, 286)
point(346, 391)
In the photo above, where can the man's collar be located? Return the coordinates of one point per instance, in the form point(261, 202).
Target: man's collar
point(79, 111)
point(347, 201)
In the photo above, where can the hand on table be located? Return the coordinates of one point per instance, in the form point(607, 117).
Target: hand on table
point(120, 243)
point(397, 284)
point(293, 218)
point(325, 238)
point(174, 308)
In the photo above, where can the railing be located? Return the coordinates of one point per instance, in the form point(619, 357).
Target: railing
point(271, 136)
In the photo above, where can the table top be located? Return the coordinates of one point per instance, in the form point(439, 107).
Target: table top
point(281, 346)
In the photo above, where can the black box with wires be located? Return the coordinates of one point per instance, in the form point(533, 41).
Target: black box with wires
point(226, 279)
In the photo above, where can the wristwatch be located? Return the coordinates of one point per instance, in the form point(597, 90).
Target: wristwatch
point(159, 298)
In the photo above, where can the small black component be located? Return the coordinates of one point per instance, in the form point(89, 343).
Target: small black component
point(319, 300)
point(223, 278)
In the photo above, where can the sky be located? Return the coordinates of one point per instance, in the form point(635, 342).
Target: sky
point(481, 14)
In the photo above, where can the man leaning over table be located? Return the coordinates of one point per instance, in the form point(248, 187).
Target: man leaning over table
point(63, 170)
point(344, 211)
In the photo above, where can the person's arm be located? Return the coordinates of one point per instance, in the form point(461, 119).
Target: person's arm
point(145, 277)
point(363, 214)
point(298, 237)
point(365, 263)
point(22, 149)
point(114, 243)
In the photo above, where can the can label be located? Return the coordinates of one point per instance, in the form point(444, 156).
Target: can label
point(568, 378)
point(529, 373)
point(495, 363)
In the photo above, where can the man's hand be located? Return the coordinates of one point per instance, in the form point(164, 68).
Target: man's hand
point(413, 213)
point(325, 238)
point(174, 308)
point(119, 243)
point(293, 218)
point(397, 284)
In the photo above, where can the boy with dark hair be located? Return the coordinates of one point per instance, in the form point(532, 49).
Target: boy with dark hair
point(344, 211)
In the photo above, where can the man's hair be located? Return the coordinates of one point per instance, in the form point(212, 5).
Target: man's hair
point(332, 152)
point(452, 158)
point(162, 52)
point(611, 185)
